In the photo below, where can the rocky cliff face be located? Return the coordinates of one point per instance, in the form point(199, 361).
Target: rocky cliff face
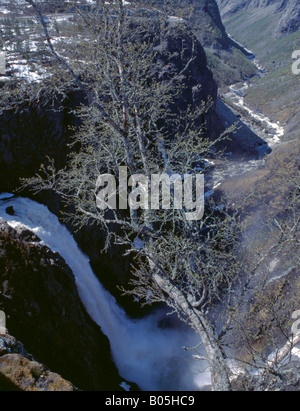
point(40, 299)
point(208, 25)
point(206, 21)
point(180, 49)
point(290, 19)
point(288, 11)
point(31, 131)
point(228, 62)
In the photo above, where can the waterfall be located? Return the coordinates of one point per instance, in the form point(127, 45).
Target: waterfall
point(151, 356)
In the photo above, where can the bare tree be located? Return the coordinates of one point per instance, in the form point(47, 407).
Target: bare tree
point(130, 119)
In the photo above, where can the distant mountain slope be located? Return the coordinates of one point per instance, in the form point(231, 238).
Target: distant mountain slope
point(288, 11)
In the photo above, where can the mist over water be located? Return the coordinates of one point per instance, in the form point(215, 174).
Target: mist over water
point(144, 351)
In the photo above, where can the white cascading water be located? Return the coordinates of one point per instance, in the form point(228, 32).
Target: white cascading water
point(236, 94)
point(150, 356)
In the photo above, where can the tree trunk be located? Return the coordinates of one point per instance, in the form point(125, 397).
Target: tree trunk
point(220, 372)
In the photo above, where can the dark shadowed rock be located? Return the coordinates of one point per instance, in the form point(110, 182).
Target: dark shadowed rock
point(29, 133)
point(10, 210)
point(206, 20)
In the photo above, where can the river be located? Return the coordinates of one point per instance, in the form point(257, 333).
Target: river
point(270, 131)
